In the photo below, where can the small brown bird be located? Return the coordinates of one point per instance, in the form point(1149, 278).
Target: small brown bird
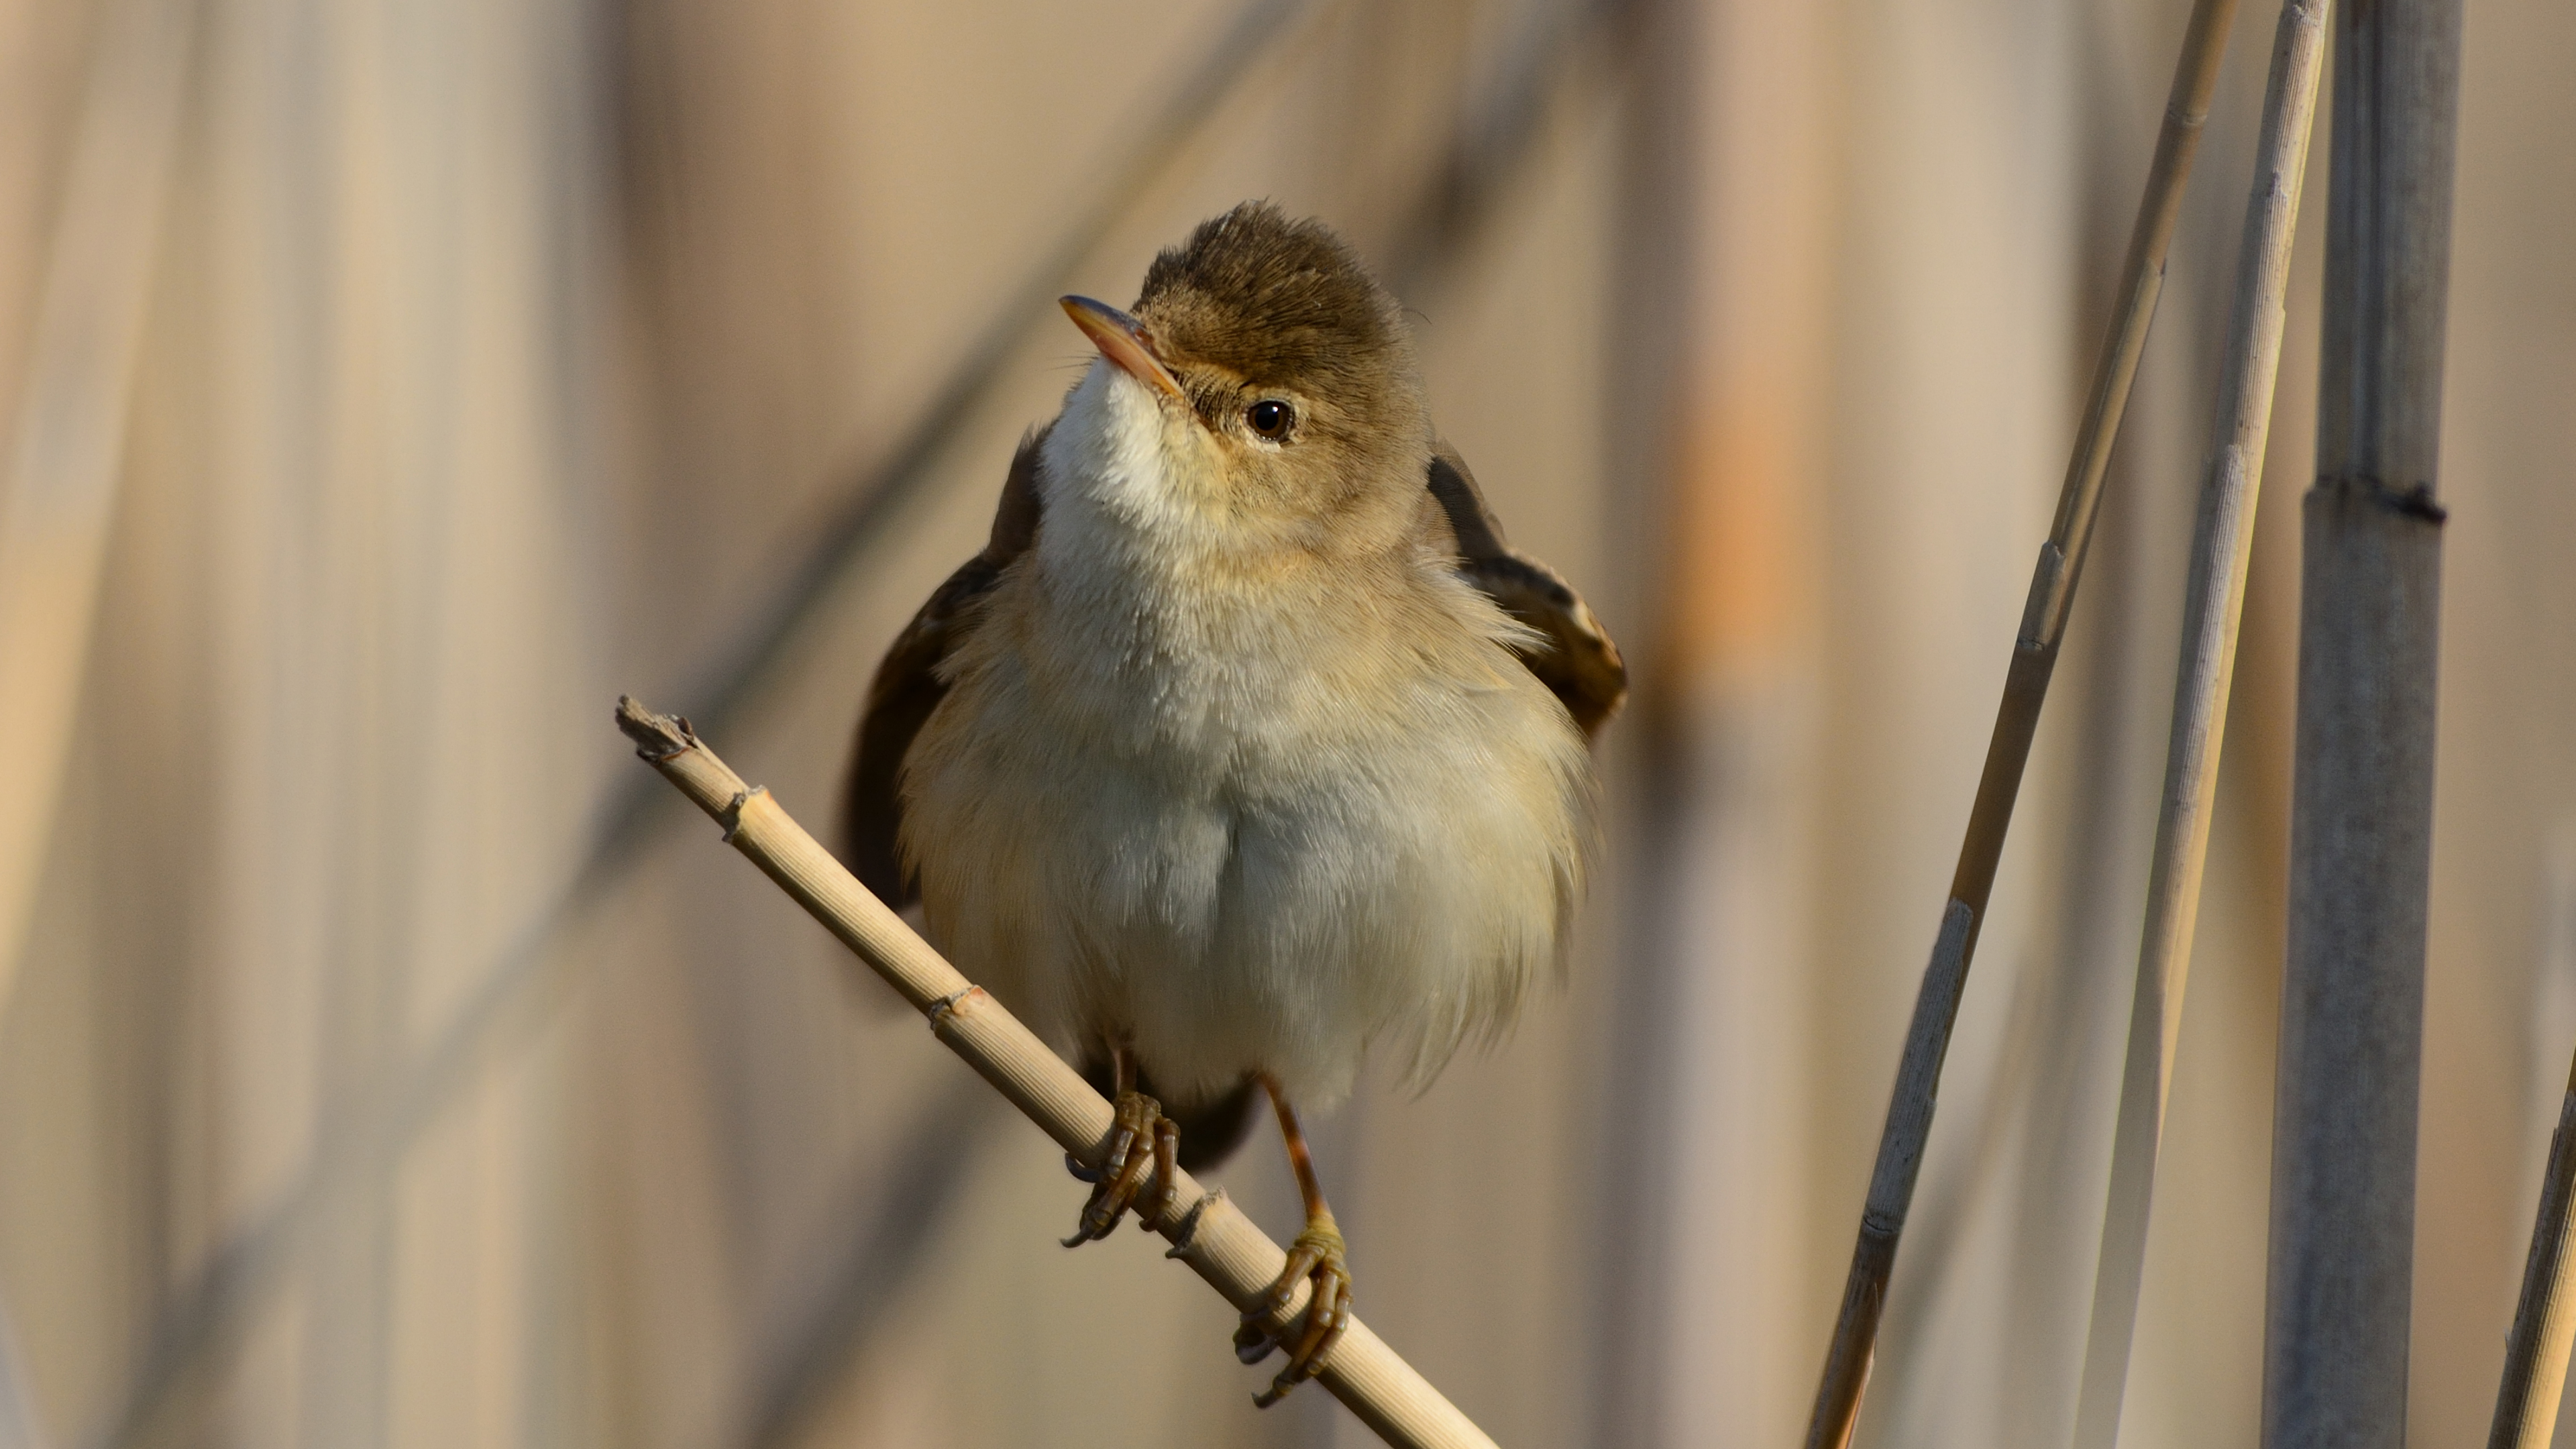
point(1246, 743)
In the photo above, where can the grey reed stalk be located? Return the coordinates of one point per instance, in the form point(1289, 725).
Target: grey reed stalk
point(2544, 1321)
point(2361, 812)
point(2213, 604)
point(2034, 659)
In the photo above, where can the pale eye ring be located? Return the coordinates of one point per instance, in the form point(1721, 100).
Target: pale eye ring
point(1270, 418)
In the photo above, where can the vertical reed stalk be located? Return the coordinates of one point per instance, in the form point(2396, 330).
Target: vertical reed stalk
point(2034, 659)
point(2361, 814)
point(2213, 604)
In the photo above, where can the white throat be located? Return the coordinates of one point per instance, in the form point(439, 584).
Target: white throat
point(1119, 456)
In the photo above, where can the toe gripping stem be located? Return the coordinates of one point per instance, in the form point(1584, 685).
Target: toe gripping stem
point(1318, 1256)
point(1144, 1148)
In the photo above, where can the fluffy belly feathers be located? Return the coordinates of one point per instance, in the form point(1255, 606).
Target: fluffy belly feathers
point(1232, 866)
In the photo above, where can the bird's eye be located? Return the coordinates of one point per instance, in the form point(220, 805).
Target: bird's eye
point(1271, 418)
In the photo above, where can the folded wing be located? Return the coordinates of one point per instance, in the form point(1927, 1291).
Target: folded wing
point(908, 686)
point(1575, 657)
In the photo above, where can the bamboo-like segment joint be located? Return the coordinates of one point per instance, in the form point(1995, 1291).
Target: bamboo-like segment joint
point(2045, 614)
point(1214, 1238)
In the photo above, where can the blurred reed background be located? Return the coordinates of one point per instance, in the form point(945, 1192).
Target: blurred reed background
point(383, 1061)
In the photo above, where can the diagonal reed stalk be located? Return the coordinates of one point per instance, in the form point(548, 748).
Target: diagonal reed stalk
point(2544, 1320)
point(2034, 659)
point(1213, 1236)
point(2213, 603)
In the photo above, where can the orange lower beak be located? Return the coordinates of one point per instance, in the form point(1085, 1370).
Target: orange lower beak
point(1123, 341)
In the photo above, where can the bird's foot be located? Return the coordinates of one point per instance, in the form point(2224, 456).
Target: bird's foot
point(1144, 1148)
point(1316, 1256)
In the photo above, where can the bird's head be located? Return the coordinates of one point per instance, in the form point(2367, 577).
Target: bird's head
point(1263, 378)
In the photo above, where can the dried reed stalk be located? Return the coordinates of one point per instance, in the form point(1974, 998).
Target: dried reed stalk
point(2034, 659)
point(1213, 1237)
point(2361, 814)
point(2544, 1321)
point(2213, 603)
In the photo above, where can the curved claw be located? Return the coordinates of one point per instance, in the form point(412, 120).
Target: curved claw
point(1143, 1147)
point(1317, 1256)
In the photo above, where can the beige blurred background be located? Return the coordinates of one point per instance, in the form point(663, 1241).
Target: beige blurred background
point(390, 383)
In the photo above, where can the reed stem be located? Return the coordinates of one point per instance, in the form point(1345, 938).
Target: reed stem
point(2034, 660)
point(2213, 605)
point(2361, 813)
point(1212, 1236)
point(2544, 1319)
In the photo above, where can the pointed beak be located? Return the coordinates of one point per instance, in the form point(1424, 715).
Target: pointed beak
point(1123, 341)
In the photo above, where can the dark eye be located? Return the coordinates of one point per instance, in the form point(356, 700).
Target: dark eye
point(1271, 418)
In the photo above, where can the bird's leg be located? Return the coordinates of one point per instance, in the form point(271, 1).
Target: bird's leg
point(1144, 1146)
point(1317, 1255)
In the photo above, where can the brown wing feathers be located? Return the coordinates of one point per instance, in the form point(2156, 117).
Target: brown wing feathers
point(1578, 663)
point(908, 687)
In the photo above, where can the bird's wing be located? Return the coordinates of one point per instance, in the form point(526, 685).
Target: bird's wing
point(908, 686)
point(1575, 657)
